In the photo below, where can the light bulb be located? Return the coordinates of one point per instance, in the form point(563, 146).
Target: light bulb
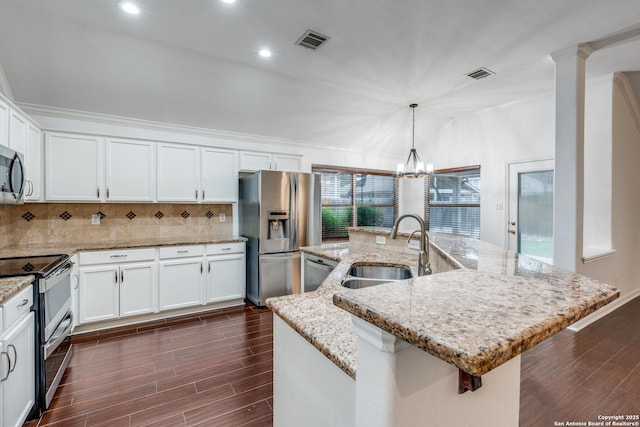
point(130, 8)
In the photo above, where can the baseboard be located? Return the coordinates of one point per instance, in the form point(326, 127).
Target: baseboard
point(609, 308)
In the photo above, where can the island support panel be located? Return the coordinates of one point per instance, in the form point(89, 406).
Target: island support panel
point(400, 385)
point(308, 389)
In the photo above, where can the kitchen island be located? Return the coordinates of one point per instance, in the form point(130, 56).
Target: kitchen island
point(388, 344)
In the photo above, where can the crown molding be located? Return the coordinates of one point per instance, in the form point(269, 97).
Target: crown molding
point(622, 81)
point(64, 113)
point(4, 85)
point(582, 51)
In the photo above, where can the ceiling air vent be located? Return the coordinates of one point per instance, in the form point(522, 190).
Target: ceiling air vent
point(480, 73)
point(312, 40)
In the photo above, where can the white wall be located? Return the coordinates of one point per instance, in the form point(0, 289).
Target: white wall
point(622, 269)
point(491, 138)
point(525, 131)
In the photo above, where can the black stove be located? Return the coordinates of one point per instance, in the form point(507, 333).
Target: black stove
point(37, 265)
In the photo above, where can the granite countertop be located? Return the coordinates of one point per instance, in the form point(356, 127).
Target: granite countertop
point(475, 318)
point(70, 248)
point(10, 286)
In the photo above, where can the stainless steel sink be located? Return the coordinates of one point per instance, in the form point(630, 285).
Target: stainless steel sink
point(365, 275)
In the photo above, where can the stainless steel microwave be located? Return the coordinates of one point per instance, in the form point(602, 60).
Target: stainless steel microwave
point(12, 180)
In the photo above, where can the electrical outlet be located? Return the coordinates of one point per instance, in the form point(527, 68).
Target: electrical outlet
point(413, 244)
point(381, 240)
point(499, 206)
point(95, 219)
point(222, 217)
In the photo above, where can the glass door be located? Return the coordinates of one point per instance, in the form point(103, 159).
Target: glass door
point(531, 209)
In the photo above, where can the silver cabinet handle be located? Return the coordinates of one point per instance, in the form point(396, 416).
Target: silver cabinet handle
point(209, 268)
point(107, 192)
point(202, 194)
point(183, 252)
point(76, 281)
point(24, 302)
point(201, 268)
point(225, 249)
point(98, 193)
point(121, 276)
point(119, 256)
point(9, 370)
point(196, 194)
point(116, 277)
point(15, 358)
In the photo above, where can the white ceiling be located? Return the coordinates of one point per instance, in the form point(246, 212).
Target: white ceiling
point(194, 62)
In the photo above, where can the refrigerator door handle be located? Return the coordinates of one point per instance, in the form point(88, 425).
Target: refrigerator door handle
point(293, 209)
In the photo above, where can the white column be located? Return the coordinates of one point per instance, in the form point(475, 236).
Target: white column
point(398, 384)
point(569, 156)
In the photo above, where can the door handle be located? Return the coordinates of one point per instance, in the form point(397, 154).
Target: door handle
point(513, 223)
point(512, 231)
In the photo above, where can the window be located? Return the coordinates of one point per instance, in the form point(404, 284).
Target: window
point(453, 205)
point(356, 198)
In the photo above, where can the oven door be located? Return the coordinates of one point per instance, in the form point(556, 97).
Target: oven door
point(57, 355)
point(55, 299)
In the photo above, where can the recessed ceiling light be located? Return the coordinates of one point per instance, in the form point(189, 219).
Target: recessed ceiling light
point(130, 8)
point(229, 1)
point(265, 53)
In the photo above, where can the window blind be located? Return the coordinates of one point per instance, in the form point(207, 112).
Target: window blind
point(356, 197)
point(454, 201)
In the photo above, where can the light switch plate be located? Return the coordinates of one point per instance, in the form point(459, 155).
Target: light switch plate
point(222, 217)
point(381, 240)
point(95, 219)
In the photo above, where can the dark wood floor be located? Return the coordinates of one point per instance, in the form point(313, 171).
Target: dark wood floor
point(217, 371)
point(212, 371)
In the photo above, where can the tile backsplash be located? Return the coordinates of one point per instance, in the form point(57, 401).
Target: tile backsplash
point(71, 222)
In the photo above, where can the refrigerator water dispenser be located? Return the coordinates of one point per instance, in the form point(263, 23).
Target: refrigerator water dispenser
point(278, 227)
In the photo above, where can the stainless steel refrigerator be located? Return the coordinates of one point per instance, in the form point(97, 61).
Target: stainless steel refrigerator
point(279, 212)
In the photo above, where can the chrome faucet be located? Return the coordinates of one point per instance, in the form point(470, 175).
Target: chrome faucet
point(424, 267)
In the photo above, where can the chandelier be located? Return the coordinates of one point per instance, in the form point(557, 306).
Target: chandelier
point(414, 167)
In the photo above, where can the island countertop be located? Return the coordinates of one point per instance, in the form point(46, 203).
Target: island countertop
point(475, 318)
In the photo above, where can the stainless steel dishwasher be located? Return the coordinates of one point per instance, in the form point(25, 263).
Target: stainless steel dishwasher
point(316, 269)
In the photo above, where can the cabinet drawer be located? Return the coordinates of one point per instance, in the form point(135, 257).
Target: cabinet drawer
point(181, 251)
point(225, 248)
point(122, 255)
point(15, 307)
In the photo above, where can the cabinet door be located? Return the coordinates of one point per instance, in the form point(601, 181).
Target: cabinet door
point(17, 131)
point(219, 175)
point(130, 174)
point(4, 123)
point(33, 163)
point(73, 166)
point(226, 277)
point(178, 173)
point(98, 294)
point(19, 387)
point(253, 161)
point(286, 163)
point(180, 283)
point(137, 288)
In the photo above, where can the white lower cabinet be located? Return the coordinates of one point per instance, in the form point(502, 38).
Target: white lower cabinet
point(181, 276)
point(17, 362)
point(115, 284)
point(118, 284)
point(226, 275)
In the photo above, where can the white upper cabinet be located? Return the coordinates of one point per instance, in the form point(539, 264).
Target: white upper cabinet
point(33, 162)
point(219, 181)
point(282, 162)
point(74, 167)
point(130, 170)
point(178, 173)
point(252, 161)
point(17, 131)
point(4, 123)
